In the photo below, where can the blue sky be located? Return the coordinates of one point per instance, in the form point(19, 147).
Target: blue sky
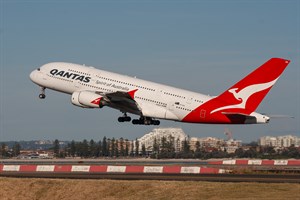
point(203, 46)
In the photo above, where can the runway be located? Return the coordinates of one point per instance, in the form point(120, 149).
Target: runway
point(267, 171)
point(143, 161)
point(267, 178)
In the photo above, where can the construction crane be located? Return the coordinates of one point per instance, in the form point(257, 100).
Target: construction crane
point(228, 133)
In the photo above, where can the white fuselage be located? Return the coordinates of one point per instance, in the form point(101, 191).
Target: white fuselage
point(156, 100)
point(152, 100)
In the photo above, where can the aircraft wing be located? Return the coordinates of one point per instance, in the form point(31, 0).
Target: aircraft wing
point(123, 101)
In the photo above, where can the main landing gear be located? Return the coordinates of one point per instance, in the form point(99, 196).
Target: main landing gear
point(42, 95)
point(124, 118)
point(145, 121)
point(141, 121)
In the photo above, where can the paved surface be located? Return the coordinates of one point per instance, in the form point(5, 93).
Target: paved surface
point(178, 177)
point(150, 169)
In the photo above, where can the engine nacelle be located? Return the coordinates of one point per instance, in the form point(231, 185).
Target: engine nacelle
point(86, 99)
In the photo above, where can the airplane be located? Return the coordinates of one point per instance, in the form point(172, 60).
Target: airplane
point(94, 88)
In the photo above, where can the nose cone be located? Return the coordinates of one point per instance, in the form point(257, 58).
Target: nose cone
point(32, 75)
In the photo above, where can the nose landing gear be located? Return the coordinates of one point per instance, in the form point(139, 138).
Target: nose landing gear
point(42, 95)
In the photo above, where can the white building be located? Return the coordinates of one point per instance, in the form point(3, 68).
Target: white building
point(211, 142)
point(279, 141)
point(232, 145)
point(225, 145)
point(176, 134)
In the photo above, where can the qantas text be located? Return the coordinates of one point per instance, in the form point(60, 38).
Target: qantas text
point(70, 75)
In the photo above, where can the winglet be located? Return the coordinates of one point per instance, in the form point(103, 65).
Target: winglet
point(131, 93)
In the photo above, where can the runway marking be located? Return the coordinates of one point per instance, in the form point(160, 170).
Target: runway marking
point(45, 168)
point(80, 168)
point(11, 168)
point(120, 169)
point(280, 162)
point(229, 162)
point(254, 162)
point(153, 169)
point(190, 170)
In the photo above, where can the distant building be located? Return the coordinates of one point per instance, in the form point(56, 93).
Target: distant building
point(211, 142)
point(178, 137)
point(279, 141)
point(33, 154)
point(206, 142)
point(231, 145)
point(176, 134)
point(193, 141)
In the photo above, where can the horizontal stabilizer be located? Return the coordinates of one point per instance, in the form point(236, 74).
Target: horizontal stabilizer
point(240, 118)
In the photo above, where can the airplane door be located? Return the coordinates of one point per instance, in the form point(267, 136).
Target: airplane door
point(189, 100)
point(171, 106)
point(76, 84)
point(170, 111)
point(202, 113)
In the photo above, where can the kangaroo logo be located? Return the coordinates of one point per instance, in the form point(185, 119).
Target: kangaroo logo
point(96, 101)
point(244, 94)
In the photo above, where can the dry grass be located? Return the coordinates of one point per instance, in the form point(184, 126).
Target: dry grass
point(31, 188)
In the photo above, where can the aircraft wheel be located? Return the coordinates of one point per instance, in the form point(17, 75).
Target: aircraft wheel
point(156, 122)
point(135, 121)
point(121, 119)
point(127, 119)
point(42, 96)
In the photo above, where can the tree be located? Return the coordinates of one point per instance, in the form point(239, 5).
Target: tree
point(197, 145)
point(84, 149)
point(137, 147)
point(197, 153)
point(155, 146)
point(109, 147)
point(117, 153)
point(99, 149)
point(92, 148)
point(73, 148)
point(163, 144)
point(113, 147)
point(104, 147)
point(186, 152)
point(163, 148)
point(122, 150)
point(16, 149)
point(56, 148)
point(239, 153)
point(171, 146)
point(126, 148)
point(132, 149)
point(155, 149)
point(3, 150)
point(143, 150)
point(186, 146)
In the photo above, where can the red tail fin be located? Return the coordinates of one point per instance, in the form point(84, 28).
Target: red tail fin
point(246, 95)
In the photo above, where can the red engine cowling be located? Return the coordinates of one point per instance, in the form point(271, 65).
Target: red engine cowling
point(86, 99)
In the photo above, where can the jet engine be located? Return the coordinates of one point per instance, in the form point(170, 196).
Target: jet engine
point(86, 99)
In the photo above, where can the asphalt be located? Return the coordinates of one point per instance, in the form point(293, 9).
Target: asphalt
point(266, 178)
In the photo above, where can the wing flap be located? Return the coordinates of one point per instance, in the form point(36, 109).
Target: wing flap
point(123, 101)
